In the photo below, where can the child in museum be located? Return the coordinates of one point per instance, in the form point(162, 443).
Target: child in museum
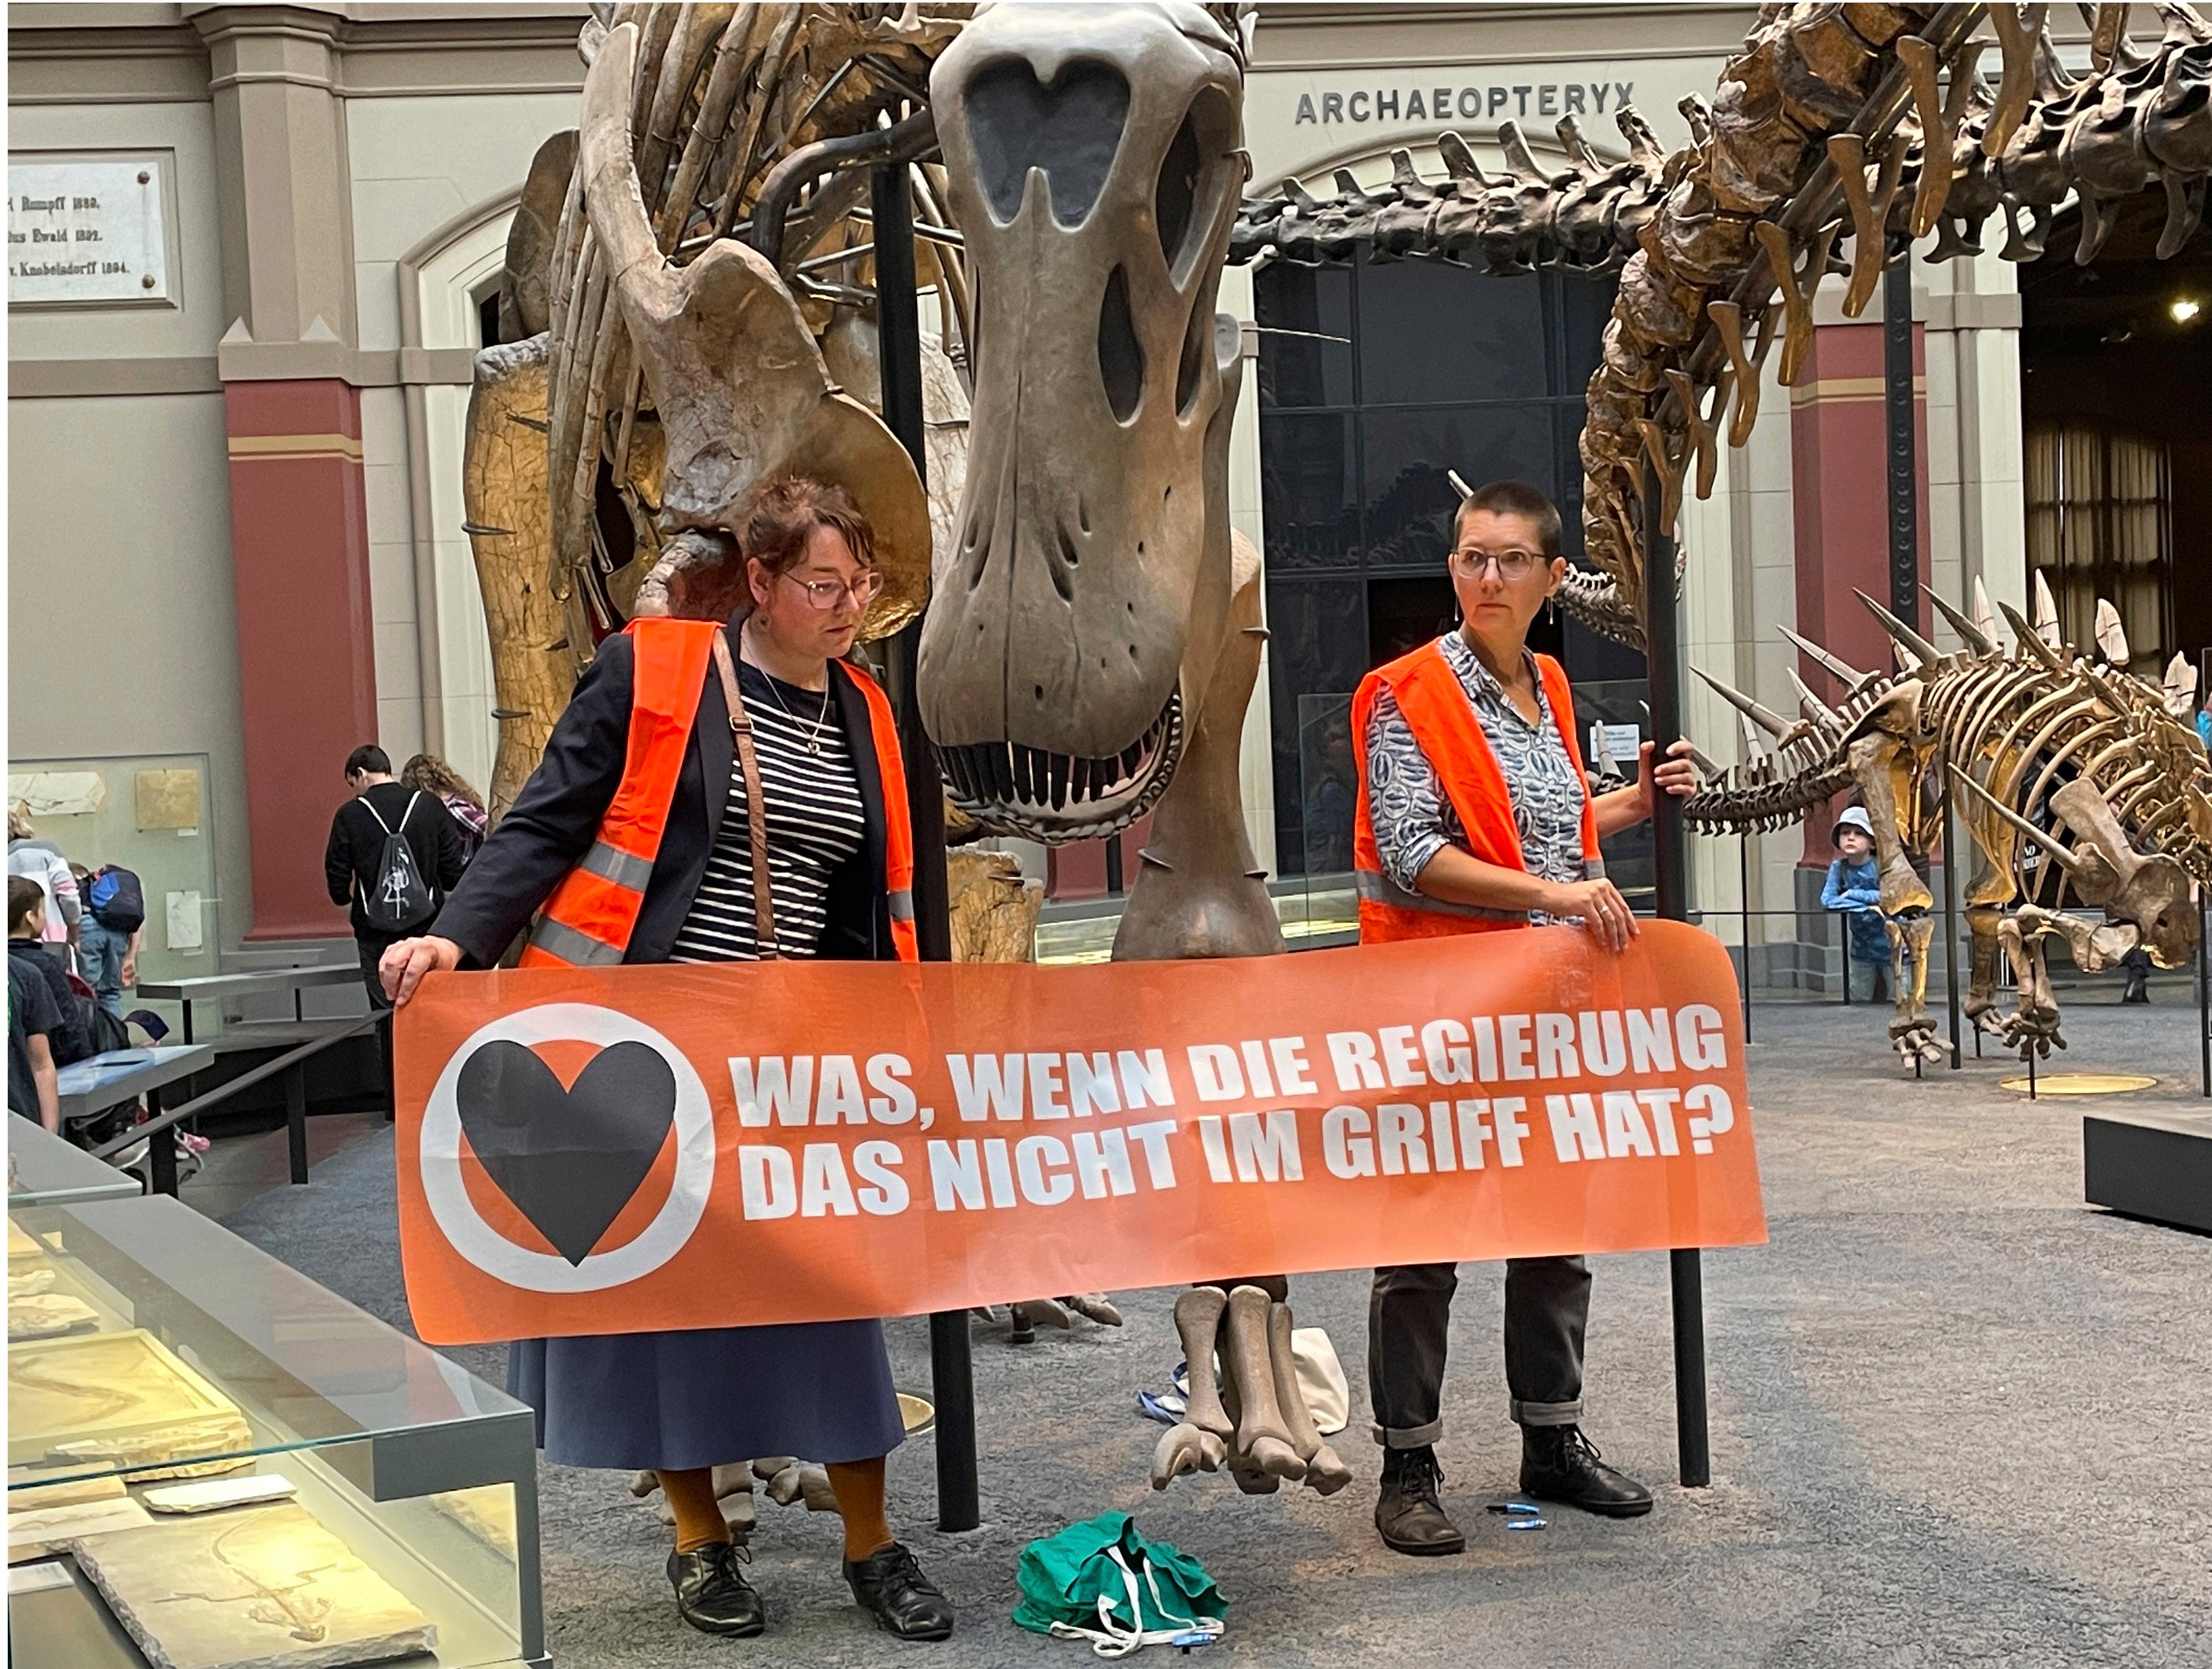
point(1854, 887)
point(34, 1018)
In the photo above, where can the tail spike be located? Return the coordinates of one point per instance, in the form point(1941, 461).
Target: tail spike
point(1906, 638)
point(1765, 717)
point(2030, 640)
point(1970, 633)
point(1850, 676)
point(1812, 707)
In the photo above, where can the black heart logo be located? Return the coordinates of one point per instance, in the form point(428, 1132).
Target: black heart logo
point(569, 1159)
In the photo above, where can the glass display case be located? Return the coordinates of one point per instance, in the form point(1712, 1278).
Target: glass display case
point(213, 1460)
point(45, 1170)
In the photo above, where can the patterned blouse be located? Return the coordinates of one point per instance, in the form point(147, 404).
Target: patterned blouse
point(1412, 814)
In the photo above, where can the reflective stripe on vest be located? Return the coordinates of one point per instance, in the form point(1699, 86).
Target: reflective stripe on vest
point(898, 826)
point(588, 921)
point(1436, 708)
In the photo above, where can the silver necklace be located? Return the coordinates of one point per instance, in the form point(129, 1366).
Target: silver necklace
point(821, 720)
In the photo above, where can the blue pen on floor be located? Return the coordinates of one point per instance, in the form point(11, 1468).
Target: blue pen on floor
point(1526, 1523)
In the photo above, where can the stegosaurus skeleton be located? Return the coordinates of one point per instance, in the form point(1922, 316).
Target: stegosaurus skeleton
point(2041, 744)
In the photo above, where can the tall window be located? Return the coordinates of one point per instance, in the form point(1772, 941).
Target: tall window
point(1376, 381)
point(2099, 523)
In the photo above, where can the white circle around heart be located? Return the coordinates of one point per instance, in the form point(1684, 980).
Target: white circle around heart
point(465, 1228)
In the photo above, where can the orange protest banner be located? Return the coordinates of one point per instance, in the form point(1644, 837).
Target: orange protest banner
point(631, 1149)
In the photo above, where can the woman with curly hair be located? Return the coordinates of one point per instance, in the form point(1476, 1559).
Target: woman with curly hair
point(432, 775)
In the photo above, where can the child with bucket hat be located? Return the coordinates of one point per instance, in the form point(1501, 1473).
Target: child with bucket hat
point(1854, 887)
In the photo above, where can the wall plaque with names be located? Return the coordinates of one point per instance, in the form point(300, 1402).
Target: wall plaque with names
point(86, 230)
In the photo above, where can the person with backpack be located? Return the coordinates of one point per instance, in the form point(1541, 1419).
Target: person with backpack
point(68, 1039)
point(394, 853)
point(109, 932)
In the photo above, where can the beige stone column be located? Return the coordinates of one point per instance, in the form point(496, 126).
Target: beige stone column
point(298, 527)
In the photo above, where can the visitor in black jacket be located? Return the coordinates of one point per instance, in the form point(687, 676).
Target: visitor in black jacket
point(356, 849)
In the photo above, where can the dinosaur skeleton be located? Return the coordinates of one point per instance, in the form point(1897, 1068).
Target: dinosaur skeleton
point(1820, 129)
point(688, 288)
point(2079, 783)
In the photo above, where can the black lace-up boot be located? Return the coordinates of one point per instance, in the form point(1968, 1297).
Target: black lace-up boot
point(1558, 1463)
point(712, 1594)
point(1407, 1515)
point(890, 1586)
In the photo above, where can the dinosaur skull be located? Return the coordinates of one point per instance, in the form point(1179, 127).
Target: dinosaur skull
point(1094, 165)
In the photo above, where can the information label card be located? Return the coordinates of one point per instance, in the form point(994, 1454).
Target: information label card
point(86, 231)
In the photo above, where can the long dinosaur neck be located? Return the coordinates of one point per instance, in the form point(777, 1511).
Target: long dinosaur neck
point(1200, 892)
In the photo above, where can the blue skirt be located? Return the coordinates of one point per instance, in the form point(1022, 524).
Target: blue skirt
point(821, 1390)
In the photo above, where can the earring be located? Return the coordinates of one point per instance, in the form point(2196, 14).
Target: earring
point(1551, 609)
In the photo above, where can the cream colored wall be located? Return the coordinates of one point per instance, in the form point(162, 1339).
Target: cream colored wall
point(126, 498)
point(416, 164)
point(116, 504)
point(1257, 759)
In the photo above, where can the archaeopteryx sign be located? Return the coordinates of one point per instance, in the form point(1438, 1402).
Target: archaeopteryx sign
point(630, 1148)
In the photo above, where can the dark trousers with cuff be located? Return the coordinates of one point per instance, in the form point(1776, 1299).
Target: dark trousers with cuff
point(1408, 1322)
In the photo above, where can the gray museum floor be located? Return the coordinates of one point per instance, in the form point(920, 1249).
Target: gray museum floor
point(1957, 1417)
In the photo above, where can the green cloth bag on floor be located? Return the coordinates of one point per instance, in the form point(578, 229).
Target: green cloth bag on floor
point(1101, 1581)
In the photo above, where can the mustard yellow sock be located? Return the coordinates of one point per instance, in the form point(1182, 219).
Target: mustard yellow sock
point(859, 1487)
point(698, 1515)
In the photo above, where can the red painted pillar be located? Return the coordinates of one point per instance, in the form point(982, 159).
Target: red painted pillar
point(306, 639)
point(1839, 501)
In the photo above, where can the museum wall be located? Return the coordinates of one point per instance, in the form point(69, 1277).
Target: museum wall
point(122, 642)
point(418, 164)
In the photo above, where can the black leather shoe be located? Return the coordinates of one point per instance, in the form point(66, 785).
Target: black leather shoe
point(712, 1595)
point(1407, 1515)
point(1558, 1463)
point(889, 1584)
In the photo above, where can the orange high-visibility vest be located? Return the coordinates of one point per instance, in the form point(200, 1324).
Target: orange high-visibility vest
point(1436, 708)
point(589, 921)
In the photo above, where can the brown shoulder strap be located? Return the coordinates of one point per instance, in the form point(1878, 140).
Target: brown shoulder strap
point(741, 734)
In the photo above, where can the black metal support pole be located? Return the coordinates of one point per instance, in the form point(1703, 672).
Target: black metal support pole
point(2204, 996)
point(161, 1153)
point(295, 1120)
point(1951, 927)
point(898, 351)
point(1903, 520)
point(1743, 883)
point(1664, 671)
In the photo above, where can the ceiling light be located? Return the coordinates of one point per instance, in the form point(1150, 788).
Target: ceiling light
point(2185, 309)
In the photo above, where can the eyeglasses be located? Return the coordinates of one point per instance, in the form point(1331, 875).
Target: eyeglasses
point(1511, 564)
point(827, 594)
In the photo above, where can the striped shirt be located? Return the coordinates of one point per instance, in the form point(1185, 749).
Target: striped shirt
point(1412, 814)
point(814, 824)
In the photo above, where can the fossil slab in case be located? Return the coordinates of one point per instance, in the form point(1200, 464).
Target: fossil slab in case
point(269, 1588)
